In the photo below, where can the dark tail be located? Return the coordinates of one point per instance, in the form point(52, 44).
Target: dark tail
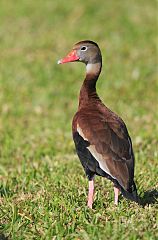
point(131, 194)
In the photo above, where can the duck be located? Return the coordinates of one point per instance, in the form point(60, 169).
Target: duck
point(101, 138)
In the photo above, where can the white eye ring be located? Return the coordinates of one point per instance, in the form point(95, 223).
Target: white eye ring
point(83, 48)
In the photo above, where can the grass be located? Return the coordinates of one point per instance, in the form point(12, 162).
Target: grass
point(43, 188)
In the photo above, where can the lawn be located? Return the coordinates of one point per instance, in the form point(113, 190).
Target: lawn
point(43, 188)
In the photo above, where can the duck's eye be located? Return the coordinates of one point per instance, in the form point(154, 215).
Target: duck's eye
point(84, 48)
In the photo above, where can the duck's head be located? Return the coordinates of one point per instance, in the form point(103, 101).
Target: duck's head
point(85, 51)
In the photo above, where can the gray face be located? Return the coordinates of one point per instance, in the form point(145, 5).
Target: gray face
point(88, 53)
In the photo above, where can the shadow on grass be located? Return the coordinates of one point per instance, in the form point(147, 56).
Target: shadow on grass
point(150, 197)
point(2, 237)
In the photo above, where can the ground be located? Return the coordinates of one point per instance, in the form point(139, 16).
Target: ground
point(43, 189)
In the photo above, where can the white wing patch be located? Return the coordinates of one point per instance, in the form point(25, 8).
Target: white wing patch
point(79, 130)
point(99, 157)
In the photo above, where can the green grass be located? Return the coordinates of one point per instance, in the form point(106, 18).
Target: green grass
point(43, 188)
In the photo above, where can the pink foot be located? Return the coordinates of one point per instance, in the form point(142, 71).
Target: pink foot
point(90, 193)
point(116, 192)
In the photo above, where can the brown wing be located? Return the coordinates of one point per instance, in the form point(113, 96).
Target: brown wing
point(110, 143)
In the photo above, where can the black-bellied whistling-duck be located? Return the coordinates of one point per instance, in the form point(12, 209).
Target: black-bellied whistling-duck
point(101, 138)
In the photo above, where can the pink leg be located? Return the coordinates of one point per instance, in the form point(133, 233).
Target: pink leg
point(116, 192)
point(90, 193)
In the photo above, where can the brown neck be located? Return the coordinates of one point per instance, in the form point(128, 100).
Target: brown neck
point(88, 89)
